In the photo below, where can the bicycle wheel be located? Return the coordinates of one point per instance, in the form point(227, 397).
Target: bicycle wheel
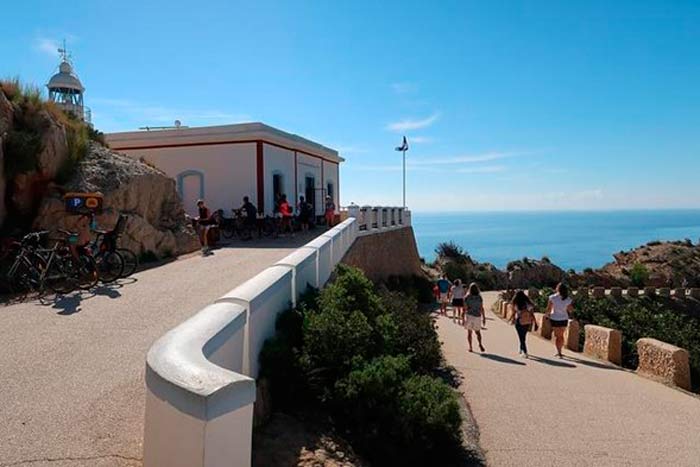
point(131, 262)
point(228, 229)
point(60, 276)
point(88, 276)
point(110, 266)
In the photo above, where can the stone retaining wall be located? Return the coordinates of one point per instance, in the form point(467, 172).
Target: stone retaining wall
point(603, 343)
point(663, 362)
point(384, 254)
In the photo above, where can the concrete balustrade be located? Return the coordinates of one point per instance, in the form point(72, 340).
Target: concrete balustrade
point(199, 376)
point(378, 218)
point(664, 292)
point(572, 335)
point(678, 293)
point(603, 343)
point(616, 292)
point(663, 362)
point(632, 292)
point(649, 291)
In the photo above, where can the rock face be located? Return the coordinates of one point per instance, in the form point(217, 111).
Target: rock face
point(156, 219)
point(5, 124)
point(534, 273)
point(669, 264)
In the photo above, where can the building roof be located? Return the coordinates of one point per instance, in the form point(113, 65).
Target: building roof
point(222, 134)
point(65, 79)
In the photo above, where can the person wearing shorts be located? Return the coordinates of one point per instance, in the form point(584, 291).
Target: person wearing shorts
point(457, 292)
point(559, 307)
point(475, 315)
point(443, 286)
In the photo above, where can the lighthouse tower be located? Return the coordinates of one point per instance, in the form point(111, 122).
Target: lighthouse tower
point(66, 90)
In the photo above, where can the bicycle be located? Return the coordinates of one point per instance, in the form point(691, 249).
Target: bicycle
point(105, 244)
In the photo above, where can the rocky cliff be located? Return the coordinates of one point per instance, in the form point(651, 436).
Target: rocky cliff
point(665, 264)
point(44, 153)
point(156, 219)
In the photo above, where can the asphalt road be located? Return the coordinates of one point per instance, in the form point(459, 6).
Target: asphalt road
point(71, 371)
point(573, 412)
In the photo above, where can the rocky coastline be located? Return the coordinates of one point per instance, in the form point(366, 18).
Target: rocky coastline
point(658, 264)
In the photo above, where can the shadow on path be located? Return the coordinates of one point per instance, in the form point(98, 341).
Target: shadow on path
point(450, 375)
point(547, 361)
point(602, 366)
point(498, 358)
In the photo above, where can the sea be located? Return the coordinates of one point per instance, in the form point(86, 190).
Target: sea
point(572, 240)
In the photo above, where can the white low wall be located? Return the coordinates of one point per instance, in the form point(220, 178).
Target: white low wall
point(200, 375)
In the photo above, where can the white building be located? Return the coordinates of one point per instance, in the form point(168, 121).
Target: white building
point(222, 164)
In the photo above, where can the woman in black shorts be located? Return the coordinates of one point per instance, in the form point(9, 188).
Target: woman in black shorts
point(559, 307)
point(458, 301)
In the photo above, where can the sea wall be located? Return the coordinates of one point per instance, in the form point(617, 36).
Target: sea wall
point(390, 253)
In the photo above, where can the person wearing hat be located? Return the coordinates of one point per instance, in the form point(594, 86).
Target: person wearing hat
point(330, 211)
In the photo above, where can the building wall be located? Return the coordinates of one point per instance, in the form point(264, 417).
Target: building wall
point(310, 166)
point(228, 172)
point(280, 161)
point(330, 174)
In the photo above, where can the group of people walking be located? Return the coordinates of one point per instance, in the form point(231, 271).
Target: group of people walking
point(468, 310)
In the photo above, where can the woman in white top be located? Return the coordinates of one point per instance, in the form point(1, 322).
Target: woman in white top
point(559, 307)
point(458, 301)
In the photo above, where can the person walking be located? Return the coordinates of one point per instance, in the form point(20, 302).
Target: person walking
point(559, 307)
point(523, 318)
point(286, 212)
point(304, 212)
point(476, 317)
point(443, 286)
point(457, 292)
point(329, 213)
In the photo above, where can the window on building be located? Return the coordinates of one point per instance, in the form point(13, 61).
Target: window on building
point(277, 187)
point(331, 190)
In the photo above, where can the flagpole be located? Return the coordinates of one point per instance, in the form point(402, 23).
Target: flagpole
point(404, 178)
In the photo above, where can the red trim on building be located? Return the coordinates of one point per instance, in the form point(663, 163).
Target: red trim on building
point(259, 165)
point(214, 143)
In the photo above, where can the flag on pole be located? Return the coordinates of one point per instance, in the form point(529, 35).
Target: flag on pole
point(404, 145)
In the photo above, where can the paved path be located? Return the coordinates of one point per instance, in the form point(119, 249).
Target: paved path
point(71, 372)
point(576, 412)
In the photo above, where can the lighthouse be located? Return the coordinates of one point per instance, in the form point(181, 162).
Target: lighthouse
point(66, 90)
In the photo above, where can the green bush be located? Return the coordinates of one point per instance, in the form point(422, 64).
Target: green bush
point(417, 287)
point(450, 250)
point(642, 317)
point(639, 275)
point(351, 291)
point(410, 332)
point(429, 415)
point(352, 350)
point(397, 417)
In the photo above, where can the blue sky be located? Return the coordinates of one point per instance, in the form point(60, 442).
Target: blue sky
point(508, 105)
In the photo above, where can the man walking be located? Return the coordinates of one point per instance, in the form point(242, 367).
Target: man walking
point(444, 289)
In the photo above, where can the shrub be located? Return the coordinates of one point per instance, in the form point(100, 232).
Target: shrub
point(639, 275)
point(417, 287)
point(364, 356)
point(642, 317)
point(397, 417)
point(429, 415)
point(407, 331)
point(450, 250)
point(366, 399)
point(351, 291)
point(333, 341)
